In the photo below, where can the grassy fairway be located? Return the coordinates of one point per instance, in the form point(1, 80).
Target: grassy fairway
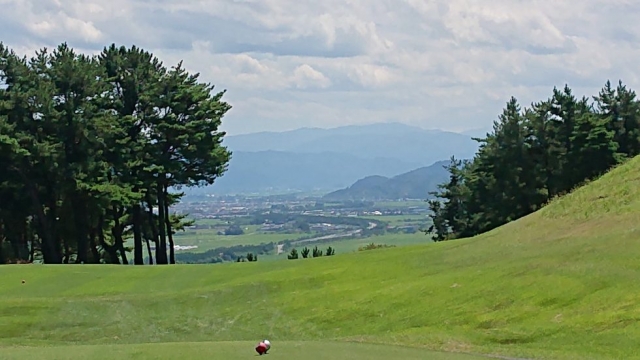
point(559, 284)
point(313, 350)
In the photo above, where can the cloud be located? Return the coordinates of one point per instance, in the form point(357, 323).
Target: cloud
point(448, 64)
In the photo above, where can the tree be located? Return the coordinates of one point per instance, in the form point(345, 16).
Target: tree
point(293, 255)
point(534, 155)
point(449, 216)
point(233, 230)
point(92, 146)
point(316, 252)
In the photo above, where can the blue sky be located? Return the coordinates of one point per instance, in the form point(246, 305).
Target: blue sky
point(286, 64)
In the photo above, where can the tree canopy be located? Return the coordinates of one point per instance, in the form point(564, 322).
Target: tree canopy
point(90, 148)
point(534, 155)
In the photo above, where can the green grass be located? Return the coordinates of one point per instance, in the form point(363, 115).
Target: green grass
point(351, 245)
point(313, 350)
point(559, 284)
point(207, 239)
point(396, 220)
point(346, 246)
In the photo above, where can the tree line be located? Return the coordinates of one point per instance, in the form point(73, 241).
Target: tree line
point(91, 148)
point(534, 155)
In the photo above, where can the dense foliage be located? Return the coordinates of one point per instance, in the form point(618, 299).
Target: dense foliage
point(536, 154)
point(90, 147)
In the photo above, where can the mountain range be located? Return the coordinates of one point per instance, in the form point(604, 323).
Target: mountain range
point(314, 159)
point(415, 184)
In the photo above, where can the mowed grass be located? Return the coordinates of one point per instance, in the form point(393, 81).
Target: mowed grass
point(207, 239)
point(351, 245)
point(559, 284)
point(311, 350)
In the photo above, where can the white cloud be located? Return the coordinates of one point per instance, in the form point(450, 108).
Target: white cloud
point(304, 76)
point(289, 63)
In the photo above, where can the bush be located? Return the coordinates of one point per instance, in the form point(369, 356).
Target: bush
point(293, 255)
point(305, 252)
point(317, 252)
point(251, 257)
point(330, 251)
point(373, 246)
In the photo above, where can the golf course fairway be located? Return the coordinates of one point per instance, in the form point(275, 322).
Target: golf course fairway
point(231, 350)
point(562, 283)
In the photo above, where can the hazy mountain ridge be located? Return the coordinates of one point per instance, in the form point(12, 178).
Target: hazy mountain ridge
point(389, 140)
point(329, 159)
point(287, 171)
point(415, 184)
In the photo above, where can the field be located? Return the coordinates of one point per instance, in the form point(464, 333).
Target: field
point(207, 239)
point(397, 220)
point(351, 245)
point(559, 284)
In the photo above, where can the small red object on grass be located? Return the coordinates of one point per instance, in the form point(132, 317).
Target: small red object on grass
point(261, 348)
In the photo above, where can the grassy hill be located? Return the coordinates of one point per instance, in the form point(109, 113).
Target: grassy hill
point(415, 184)
point(559, 284)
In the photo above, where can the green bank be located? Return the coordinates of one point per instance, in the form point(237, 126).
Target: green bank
point(561, 283)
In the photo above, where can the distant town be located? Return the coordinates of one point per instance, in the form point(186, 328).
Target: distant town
point(232, 206)
point(228, 228)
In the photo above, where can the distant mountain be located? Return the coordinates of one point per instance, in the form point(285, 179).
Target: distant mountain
point(478, 133)
point(414, 184)
point(388, 140)
point(268, 171)
point(312, 159)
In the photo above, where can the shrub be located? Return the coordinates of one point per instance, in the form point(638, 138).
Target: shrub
point(293, 255)
point(305, 252)
point(373, 246)
point(251, 257)
point(317, 252)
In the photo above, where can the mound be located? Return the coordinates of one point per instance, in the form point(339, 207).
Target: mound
point(560, 283)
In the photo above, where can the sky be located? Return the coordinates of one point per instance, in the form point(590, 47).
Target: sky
point(287, 64)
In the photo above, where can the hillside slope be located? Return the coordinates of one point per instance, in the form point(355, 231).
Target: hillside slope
point(415, 184)
point(559, 284)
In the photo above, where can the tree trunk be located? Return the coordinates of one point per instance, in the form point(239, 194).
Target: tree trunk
point(154, 229)
point(15, 244)
point(138, 258)
point(67, 253)
point(116, 231)
point(110, 249)
point(94, 247)
point(172, 253)
point(2, 259)
point(32, 249)
point(81, 224)
point(49, 252)
point(161, 249)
